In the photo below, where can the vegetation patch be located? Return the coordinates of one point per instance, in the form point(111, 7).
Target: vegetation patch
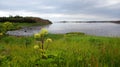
point(61, 51)
point(72, 49)
point(75, 33)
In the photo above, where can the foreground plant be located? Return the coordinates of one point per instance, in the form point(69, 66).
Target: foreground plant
point(42, 37)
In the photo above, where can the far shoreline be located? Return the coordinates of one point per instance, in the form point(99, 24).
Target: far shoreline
point(88, 22)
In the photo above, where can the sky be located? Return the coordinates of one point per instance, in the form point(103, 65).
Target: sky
point(63, 10)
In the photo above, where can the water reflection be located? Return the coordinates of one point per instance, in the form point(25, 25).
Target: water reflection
point(27, 31)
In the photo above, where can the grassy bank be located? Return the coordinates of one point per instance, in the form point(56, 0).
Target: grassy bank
point(21, 25)
point(27, 24)
point(70, 50)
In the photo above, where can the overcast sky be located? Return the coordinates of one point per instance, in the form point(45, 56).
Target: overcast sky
point(56, 10)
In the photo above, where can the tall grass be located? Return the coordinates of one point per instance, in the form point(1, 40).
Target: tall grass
point(64, 51)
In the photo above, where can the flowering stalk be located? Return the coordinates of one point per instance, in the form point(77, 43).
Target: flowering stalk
point(41, 36)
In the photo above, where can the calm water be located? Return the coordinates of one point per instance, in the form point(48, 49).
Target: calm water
point(98, 29)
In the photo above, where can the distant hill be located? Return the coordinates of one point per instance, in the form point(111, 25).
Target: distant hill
point(20, 19)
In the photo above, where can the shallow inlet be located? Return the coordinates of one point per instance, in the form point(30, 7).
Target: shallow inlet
point(98, 29)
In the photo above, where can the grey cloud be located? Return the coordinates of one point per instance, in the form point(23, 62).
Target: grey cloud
point(63, 7)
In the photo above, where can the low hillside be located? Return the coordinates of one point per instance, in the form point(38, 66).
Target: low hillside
point(20, 19)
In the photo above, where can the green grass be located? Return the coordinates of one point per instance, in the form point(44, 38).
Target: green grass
point(28, 24)
point(68, 50)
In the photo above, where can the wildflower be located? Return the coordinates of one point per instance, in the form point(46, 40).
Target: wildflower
point(36, 35)
point(1, 34)
point(44, 31)
point(49, 40)
point(41, 36)
point(36, 47)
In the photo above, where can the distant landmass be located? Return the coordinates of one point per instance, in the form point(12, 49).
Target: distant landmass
point(89, 21)
point(20, 19)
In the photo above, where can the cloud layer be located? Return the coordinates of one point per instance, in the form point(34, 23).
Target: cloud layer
point(63, 9)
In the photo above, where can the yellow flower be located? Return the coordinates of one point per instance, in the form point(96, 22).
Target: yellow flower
point(49, 40)
point(1, 34)
point(44, 31)
point(37, 35)
point(36, 47)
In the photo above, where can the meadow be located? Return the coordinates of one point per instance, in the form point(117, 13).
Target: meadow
point(65, 50)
